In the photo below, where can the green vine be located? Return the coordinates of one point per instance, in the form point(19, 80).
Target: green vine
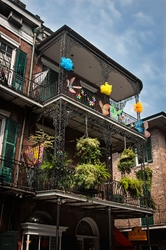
point(146, 176)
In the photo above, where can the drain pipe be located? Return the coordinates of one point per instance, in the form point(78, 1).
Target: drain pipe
point(36, 31)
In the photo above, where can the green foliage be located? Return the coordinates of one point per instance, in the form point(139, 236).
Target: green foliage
point(146, 176)
point(88, 149)
point(54, 172)
point(42, 137)
point(90, 175)
point(126, 161)
point(132, 186)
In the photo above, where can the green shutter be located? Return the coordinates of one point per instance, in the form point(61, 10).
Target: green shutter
point(19, 70)
point(149, 150)
point(150, 221)
point(9, 147)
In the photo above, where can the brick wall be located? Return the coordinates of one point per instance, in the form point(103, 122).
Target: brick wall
point(158, 180)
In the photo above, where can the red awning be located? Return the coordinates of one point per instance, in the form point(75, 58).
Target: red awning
point(122, 242)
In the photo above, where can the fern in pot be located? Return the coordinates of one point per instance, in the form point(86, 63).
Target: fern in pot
point(90, 173)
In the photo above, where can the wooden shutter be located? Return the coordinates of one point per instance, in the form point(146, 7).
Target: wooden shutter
point(150, 221)
point(9, 147)
point(19, 70)
point(149, 150)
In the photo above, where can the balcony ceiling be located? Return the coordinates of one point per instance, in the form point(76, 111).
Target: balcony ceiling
point(87, 61)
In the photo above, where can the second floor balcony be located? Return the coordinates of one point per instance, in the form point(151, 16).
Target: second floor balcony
point(43, 89)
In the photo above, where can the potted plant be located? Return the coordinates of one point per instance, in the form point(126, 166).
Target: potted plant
point(90, 173)
point(132, 186)
point(126, 161)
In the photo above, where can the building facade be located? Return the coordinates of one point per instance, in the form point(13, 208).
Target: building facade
point(155, 160)
point(57, 84)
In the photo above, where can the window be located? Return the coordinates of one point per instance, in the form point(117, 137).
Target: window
point(5, 54)
point(7, 58)
point(148, 153)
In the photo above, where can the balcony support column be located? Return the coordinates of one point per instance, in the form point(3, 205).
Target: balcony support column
point(148, 235)
point(108, 148)
point(59, 114)
point(110, 228)
point(57, 222)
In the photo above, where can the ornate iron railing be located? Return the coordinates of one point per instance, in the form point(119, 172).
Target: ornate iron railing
point(26, 177)
point(44, 90)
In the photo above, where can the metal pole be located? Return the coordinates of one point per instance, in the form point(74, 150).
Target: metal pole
point(57, 222)
point(148, 235)
point(109, 227)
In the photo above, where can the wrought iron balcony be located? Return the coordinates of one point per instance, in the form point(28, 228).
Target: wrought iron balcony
point(46, 90)
point(18, 176)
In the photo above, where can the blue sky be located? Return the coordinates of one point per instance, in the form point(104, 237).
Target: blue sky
point(133, 33)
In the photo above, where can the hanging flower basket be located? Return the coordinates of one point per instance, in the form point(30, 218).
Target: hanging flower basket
point(126, 161)
point(132, 186)
point(90, 173)
point(88, 149)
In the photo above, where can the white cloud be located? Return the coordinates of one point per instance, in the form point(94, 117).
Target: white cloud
point(114, 11)
point(126, 2)
point(143, 19)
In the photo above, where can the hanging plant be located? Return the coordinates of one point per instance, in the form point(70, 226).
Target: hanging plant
point(88, 149)
point(126, 161)
point(90, 173)
point(132, 186)
point(90, 176)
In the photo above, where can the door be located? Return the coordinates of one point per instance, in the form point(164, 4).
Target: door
point(8, 240)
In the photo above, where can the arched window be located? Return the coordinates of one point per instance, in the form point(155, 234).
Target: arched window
point(87, 234)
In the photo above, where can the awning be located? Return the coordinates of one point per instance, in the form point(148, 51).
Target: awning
point(122, 242)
